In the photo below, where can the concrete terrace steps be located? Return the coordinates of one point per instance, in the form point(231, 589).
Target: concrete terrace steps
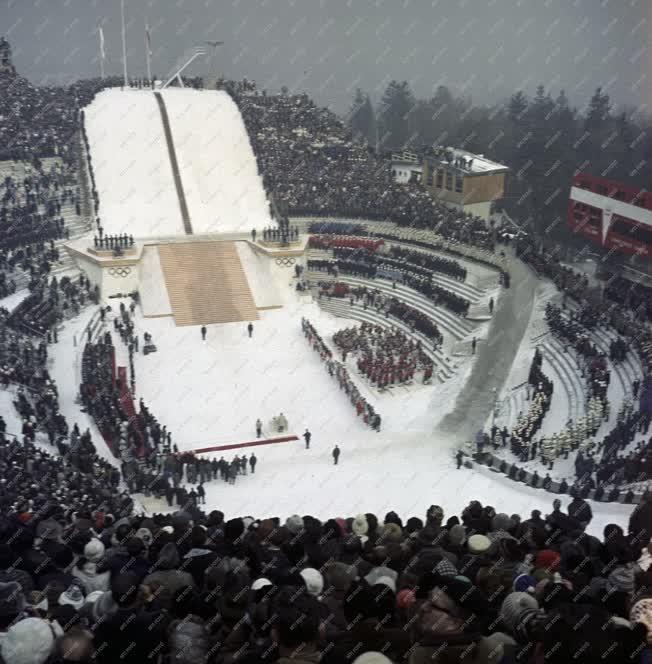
point(206, 283)
point(443, 369)
point(468, 292)
point(447, 321)
point(566, 372)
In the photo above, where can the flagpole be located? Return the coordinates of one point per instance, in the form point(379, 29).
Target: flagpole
point(148, 54)
point(100, 35)
point(124, 43)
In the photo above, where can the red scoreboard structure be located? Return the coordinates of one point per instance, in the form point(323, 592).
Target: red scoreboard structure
point(614, 215)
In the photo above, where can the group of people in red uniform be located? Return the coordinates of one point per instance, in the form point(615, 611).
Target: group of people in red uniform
point(385, 356)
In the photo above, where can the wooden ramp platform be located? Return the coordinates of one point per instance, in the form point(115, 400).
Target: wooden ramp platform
point(206, 283)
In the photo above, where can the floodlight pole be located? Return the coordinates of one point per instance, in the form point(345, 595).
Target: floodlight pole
point(124, 42)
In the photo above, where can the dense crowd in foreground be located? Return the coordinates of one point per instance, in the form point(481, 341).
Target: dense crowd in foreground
point(81, 584)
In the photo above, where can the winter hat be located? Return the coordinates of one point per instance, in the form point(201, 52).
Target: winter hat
point(168, 530)
point(360, 527)
point(547, 559)
point(501, 522)
point(524, 583)
point(435, 513)
point(29, 641)
point(262, 582)
point(12, 600)
point(478, 544)
point(294, 524)
point(405, 598)
point(457, 535)
point(145, 535)
point(314, 581)
point(72, 596)
point(378, 573)
point(445, 568)
point(517, 609)
point(340, 576)
point(641, 612)
point(94, 551)
point(373, 657)
point(392, 533)
point(386, 581)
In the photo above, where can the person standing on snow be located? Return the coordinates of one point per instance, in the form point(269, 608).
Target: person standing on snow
point(250, 329)
point(336, 454)
point(203, 333)
point(307, 435)
point(259, 428)
point(252, 463)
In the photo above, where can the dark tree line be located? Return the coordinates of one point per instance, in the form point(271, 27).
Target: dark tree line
point(543, 139)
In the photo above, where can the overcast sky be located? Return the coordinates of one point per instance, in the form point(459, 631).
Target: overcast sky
point(484, 48)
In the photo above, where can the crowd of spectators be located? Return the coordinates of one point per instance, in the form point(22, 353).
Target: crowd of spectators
point(85, 581)
point(313, 165)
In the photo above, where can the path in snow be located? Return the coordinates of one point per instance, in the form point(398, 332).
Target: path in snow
point(494, 358)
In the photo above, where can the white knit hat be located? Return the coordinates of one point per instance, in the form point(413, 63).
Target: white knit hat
point(260, 583)
point(294, 524)
point(29, 641)
point(372, 658)
point(94, 550)
point(360, 525)
point(314, 580)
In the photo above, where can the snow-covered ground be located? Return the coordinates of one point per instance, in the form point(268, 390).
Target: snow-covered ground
point(218, 168)
point(212, 392)
point(12, 301)
point(132, 167)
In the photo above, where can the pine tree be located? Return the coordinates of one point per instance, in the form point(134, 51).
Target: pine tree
point(395, 108)
point(362, 117)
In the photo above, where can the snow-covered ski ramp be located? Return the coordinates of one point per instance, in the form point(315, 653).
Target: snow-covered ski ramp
point(132, 167)
point(218, 169)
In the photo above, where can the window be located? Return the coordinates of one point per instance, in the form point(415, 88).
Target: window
point(449, 181)
point(458, 184)
point(631, 231)
point(440, 179)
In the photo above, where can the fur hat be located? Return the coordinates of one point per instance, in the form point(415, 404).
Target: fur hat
point(94, 551)
point(457, 535)
point(314, 581)
point(501, 522)
point(12, 600)
point(435, 513)
point(517, 609)
point(360, 526)
point(378, 573)
point(340, 576)
point(478, 544)
point(294, 524)
point(29, 641)
point(392, 533)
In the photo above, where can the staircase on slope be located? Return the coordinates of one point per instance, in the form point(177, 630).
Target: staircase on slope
point(206, 283)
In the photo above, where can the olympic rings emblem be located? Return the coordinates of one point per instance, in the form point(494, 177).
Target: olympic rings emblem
point(285, 261)
point(119, 271)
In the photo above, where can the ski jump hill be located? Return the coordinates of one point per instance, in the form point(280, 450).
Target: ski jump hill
point(175, 169)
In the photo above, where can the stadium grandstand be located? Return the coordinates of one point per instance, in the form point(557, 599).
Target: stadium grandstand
point(262, 402)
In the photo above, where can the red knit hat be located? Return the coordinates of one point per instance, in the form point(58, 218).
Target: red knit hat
point(405, 598)
point(547, 559)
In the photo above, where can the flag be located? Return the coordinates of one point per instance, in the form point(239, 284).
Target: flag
point(101, 33)
point(148, 40)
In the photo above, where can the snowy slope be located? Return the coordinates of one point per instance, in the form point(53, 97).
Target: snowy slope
point(218, 168)
point(131, 164)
